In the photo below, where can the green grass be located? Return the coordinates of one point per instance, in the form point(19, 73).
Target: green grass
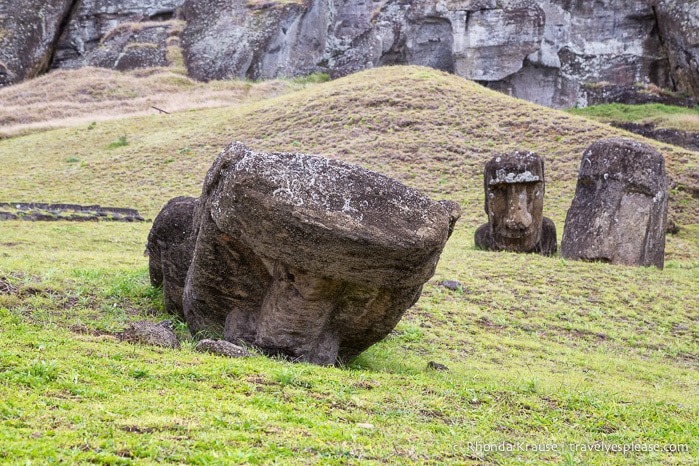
point(660, 115)
point(540, 351)
point(121, 142)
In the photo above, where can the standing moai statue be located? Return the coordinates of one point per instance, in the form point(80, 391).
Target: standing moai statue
point(514, 201)
point(619, 210)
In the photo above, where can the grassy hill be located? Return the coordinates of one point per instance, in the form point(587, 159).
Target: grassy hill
point(540, 351)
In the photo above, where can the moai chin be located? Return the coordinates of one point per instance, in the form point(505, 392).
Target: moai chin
point(514, 201)
point(619, 210)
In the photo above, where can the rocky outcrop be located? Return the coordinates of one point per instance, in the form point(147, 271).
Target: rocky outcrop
point(120, 35)
point(40, 211)
point(590, 42)
point(603, 93)
point(476, 39)
point(29, 30)
point(686, 139)
point(544, 51)
point(302, 256)
point(678, 21)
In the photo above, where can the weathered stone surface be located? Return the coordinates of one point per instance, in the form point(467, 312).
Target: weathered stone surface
point(169, 249)
point(149, 333)
point(478, 40)
point(619, 211)
point(303, 256)
point(28, 32)
point(545, 51)
point(494, 39)
point(253, 39)
point(597, 94)
point(222, 348)
point(590, 42)
point(678, 21)
point(121, 35)
point(514, 202)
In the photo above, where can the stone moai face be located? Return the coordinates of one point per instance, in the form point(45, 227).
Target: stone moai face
point(514, 200)
point(619, 210)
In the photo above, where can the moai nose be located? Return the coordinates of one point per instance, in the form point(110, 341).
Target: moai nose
point(518, 217)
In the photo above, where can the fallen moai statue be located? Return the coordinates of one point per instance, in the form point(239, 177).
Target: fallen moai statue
point(619, 211)
point(514, 202)
point(299, 255)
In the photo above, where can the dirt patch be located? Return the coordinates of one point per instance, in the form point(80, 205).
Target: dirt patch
point(85, 330)
point(7, 287)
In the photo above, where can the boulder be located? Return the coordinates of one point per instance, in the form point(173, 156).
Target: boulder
point(169, 250)
point(28, 32)
point(149, 333)
point(514, 202)
point(222, 348)
point(118, 34)
point(619, 211)
point(302, 256)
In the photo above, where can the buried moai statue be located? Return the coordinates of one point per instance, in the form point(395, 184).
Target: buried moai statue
point(619, 210)
point(302, 256)
point(514, 201)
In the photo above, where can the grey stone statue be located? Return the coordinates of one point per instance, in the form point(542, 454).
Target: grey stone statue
point(298, 255)
point(619, 210)
point(514, 201)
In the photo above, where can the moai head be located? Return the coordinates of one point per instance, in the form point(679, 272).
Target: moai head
point(514, 200)
point(620, 206)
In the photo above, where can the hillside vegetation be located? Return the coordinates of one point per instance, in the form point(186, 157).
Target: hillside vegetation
point(659, 115)
point(540, 351)
point(87, 95)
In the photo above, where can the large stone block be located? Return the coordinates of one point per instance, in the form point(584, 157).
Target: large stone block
point(619, 211)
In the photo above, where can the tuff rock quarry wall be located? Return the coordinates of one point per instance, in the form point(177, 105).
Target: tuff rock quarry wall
point(545, 51)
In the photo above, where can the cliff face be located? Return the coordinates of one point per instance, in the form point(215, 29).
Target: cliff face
point(28, 33)
point(679, 23)
point(539, 50)
point(615, 41)
point(117, 34)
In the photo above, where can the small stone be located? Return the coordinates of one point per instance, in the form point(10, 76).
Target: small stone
point(365, 425)
point(437, 366)
point(222, 348)
point(149, 333)
point(451, 284)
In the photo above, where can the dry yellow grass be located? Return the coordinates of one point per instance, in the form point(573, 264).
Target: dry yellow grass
point(75, 97)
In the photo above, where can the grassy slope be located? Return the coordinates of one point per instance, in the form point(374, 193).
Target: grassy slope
point(97, 94)
point(662, 116)
point(540, 350)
